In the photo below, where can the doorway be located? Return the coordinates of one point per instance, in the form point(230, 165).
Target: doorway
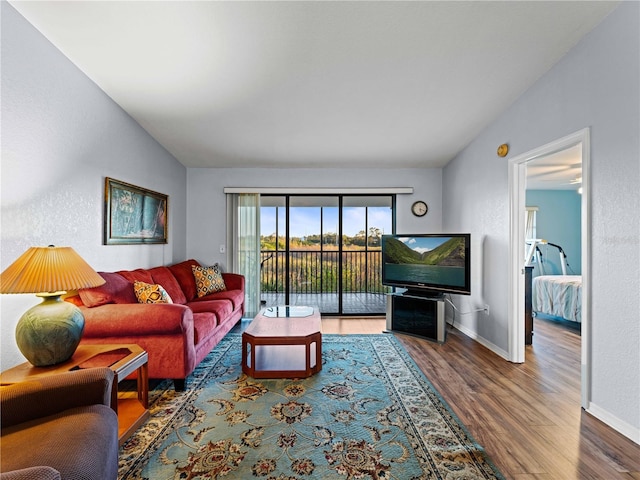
point(518, 167)
point(324, 250)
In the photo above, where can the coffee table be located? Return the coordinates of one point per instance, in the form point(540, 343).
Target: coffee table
point(283, 342)
point(123, 360)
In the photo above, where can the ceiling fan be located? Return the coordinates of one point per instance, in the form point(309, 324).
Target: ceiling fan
point(575, 181)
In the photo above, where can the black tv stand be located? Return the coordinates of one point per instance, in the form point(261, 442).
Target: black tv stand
point(417, 313)
point(434, 296)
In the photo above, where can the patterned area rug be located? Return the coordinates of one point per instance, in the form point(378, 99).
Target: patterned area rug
point(370, 413)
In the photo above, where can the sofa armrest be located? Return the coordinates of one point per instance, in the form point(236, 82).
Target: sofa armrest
point(136, 319)
point(233, 281)
point(46, 396)
point(32, 473)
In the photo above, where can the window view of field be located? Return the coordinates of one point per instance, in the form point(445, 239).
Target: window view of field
point(320, 261)
point(313, 263)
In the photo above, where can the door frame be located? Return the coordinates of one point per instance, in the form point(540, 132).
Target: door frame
point(517, 203)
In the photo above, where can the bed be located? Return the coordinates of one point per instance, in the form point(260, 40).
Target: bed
point(558, 296)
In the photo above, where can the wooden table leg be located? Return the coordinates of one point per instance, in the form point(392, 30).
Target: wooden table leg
point(143, 385)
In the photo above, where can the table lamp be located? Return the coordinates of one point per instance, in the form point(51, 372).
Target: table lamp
point(49, 332)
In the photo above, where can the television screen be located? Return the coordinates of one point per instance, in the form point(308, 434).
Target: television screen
point(427, 263)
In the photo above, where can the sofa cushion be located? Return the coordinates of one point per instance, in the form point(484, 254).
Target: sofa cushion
point(208, 280)
point(151, 293)
point(164, 277)
point(233, 281)
point(184, 275)
point(236, 297)
point(139, 274)
point(117, 289)
point(204, 325)
point(221, 308)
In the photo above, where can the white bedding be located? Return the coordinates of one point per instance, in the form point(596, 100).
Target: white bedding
point(558, 295)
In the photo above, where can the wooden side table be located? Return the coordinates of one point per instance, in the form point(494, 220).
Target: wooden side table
point(124, 360)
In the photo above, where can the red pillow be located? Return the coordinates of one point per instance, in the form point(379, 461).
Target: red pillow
point(164, 277)
point(139, 274)
point(184, 275)
point(116, 290)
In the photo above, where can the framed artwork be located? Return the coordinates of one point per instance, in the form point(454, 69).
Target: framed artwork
point(133, 215)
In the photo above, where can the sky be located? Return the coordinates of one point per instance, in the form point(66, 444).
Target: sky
point(306, 220)
point(423, 244)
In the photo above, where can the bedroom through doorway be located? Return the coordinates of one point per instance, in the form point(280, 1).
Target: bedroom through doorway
point(553, 236)
point(549, 197)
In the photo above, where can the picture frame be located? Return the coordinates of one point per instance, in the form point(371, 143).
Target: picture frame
point(134, 215)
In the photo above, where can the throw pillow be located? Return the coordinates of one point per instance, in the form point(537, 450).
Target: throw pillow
point(208, 280)
point(116, 289)
point(148, 293)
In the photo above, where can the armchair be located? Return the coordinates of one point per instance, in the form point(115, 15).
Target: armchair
point(61, 426)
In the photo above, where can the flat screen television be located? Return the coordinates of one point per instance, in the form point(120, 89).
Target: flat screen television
point(428, 264)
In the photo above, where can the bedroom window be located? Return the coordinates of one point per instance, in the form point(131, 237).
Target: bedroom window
point(530, 222)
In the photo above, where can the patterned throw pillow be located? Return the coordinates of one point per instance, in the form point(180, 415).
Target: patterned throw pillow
point(208, 279)
point(148, 293)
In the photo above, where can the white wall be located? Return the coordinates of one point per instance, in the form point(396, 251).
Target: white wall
point(595, 85)
point(61, 136)
point(206, 212)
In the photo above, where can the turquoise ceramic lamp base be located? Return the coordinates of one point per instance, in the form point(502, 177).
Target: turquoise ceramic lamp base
point(50, 332)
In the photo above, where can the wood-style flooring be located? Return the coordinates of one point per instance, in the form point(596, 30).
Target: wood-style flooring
point(526, 416)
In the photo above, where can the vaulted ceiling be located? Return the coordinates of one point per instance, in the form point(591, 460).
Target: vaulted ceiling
point(314, 84)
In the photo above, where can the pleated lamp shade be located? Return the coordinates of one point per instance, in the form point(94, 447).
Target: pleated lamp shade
point(48, 269)
point(49, 332)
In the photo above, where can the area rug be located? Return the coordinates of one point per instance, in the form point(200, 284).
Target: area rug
point(369, 413)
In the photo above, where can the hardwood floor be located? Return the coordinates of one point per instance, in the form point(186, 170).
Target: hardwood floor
point(526, 416)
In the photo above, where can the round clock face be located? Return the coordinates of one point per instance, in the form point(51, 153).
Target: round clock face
point(419, 209)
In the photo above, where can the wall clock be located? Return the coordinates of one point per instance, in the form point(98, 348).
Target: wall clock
point(419, 208)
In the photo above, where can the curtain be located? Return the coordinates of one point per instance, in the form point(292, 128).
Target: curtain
point(530, 222)
point(244, 244)
point(530, 233)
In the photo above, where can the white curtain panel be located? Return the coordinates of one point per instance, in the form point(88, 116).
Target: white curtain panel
point(244, 244)
point(530, 222)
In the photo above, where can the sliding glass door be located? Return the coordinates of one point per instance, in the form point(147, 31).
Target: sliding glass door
point(324, 251)
point(364, 221)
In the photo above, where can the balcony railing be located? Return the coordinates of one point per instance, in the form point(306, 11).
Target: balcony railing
point(318, 271)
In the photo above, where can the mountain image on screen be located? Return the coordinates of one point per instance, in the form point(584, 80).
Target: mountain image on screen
point(448, 254)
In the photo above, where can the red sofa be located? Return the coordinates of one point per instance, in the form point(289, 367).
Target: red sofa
point(178, 335)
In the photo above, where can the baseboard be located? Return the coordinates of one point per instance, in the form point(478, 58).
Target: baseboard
point(481, 340)
point(629, 431)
